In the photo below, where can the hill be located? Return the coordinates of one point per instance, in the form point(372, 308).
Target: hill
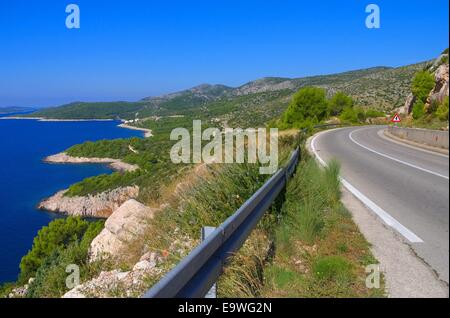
point(14, 109)
point(255, 102)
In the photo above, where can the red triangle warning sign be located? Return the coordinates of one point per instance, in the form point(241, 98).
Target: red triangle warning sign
point(396, 119)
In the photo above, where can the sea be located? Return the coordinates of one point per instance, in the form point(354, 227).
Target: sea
point(25, 179)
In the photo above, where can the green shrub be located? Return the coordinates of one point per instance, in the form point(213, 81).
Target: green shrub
point(59, 234)
point(339, 102)
point(442, 110)
point(373, 113)
point(353, 115)
point(349, 115)
point(422, 84)
point(418, 109)
point(309, 105)
point(50, 278)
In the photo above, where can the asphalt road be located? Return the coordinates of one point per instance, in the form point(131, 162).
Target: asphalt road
point(409, 184)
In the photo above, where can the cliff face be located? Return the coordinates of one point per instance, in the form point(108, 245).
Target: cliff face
point(100, 205)
point(440, 90)
point(440, 70)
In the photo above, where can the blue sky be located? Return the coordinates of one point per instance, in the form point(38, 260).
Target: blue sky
point(127, 50)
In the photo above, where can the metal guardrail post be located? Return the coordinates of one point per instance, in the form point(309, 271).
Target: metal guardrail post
point(207, 231)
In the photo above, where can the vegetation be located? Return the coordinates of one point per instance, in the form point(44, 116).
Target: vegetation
point(308, 106)
point(208, 197)
point(339, 102)
point(63, 242)
point(81, 110)
point(418, 109)
point(425, 113)
point(442, 110)
point(319, 251)
point(256, 102)
point(152, 155)
point(422, 84)
point(57, 236)
point(358, 115)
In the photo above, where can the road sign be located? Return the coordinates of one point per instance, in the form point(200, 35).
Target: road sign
point(396, 119)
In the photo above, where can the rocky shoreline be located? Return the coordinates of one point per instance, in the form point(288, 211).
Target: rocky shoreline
point(147, 132)
point(116, 164)
point(100, 205)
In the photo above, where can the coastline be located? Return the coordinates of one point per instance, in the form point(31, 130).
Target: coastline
point(147, 132)
point(52, 120)
point(115, 164)
point(98, 206)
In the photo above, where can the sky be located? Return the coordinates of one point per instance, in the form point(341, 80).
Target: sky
point(128, 50)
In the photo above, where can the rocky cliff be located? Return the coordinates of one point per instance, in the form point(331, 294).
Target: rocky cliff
point(440, 70)
point(100, 205)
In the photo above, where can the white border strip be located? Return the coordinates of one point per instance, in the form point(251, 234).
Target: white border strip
point(386, 217)
point(392, 158)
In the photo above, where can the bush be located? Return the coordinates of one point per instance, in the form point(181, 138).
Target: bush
point(442, 110)
point(57, 235)
point(50, 280)
point(339, 102)
point(418, 109)
point(353, 115)
point(308, 103)
point(373, 113)
point(422, 84)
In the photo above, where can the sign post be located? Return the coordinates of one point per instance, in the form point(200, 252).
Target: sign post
point(396, 119)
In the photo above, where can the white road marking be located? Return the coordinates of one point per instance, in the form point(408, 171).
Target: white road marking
point(386, 217)
point(394, 159)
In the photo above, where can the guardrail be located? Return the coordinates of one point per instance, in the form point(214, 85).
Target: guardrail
point(196, 273)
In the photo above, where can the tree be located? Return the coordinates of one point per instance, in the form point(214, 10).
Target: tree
point(308, 104)
point(58, 234)
point(338, 102)
point(418, 109)
point(422, 84)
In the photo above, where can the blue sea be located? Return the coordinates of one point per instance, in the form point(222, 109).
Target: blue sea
point(25, 180)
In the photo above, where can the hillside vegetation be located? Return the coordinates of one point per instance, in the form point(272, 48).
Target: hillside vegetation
point(428, 101)
point(256, 102)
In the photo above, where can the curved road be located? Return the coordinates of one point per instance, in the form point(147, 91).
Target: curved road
point(409, 187)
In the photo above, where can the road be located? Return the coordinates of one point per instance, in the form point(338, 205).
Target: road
point(406, 186)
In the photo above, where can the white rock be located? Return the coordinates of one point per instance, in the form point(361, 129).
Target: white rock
point(124, 224)
point(144, 266)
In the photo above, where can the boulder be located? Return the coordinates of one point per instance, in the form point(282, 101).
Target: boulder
point(125, 224)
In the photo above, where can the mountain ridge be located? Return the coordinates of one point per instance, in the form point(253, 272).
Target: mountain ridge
point(380, 87)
